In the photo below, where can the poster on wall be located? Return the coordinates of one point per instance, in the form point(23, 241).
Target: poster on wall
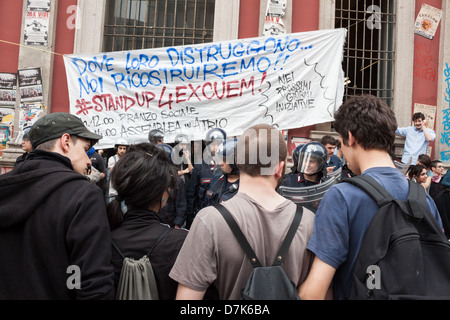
point(6, 125)
point(7, 116)
point(8, 89)
point(288, 81)
point(29, 114)
point(429, 113)
point(38, 5)
point(36, 28)
point(273, 23)
point(428, 21)
point(4, 136)
point(30, 85)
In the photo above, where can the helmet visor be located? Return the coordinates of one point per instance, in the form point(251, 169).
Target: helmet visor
point(310, 163)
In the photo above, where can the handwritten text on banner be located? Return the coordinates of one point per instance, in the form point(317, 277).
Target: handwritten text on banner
point(289, 81)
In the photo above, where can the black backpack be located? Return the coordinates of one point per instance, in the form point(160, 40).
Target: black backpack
point(404, 254)
point(266, 283)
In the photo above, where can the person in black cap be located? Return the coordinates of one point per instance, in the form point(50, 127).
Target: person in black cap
point(54, 231)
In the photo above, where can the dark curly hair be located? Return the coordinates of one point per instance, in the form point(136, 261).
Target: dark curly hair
point(370, 120)
point(414, 171)
point(417, 116)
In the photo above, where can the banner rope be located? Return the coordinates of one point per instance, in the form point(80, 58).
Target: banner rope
point(29, 47)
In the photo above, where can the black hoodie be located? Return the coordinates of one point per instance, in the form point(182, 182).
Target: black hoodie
point(54, 233)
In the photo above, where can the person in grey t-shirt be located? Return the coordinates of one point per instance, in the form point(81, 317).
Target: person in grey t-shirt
point(212, 255)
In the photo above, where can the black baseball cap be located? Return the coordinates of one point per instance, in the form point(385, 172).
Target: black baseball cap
point(54, 125)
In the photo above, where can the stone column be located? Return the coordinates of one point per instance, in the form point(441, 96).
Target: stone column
point(32, 57)
point(442, 143)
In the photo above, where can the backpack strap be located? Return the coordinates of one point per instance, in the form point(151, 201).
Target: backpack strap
point(239, 235)
point(289, 237)
point(158, 241)
point(246, 246)
point(116, 247)
point(417, 200)
point(379, 194)
point(416, 196)
point(370, 186)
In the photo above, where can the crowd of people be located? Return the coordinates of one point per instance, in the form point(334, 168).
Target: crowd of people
point(64, 203)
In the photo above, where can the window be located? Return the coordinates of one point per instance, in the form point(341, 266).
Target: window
point(143, 24)
point(369, 53)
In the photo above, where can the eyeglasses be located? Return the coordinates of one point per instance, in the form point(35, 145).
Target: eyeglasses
point(439, 166)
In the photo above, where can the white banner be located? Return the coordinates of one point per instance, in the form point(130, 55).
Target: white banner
point(289, 81)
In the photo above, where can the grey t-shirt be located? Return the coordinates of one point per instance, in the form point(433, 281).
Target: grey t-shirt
point(211, 254)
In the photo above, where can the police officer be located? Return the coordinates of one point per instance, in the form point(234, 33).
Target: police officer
point(202, 174)
point(308, 182)
point(292, 176)
point(156, 136)
point(174, 211)
point(309, 166)
point(182, 150)
point(225, 183)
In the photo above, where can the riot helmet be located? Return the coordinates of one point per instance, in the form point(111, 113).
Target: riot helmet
point(156, 136)
point(183, 139)
point(295, 155)
point(225, 153)
point(167, 150)
point(182, 148)
point(312, 158)
point(215, 135)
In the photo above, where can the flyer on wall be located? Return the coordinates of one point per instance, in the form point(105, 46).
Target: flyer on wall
point(428, 21)
point(6, 125)
point(29, 114)
point(30, 85)
point(38, 5)
point(4, 136)
point(273, 24)
point(8, 88)
point(36, 28)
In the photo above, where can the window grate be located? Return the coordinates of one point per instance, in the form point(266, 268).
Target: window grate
point(143, 24)
point(369, 53)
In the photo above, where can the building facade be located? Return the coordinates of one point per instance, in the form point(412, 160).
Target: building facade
point(383, 55)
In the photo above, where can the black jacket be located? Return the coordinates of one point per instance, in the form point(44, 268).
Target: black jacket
point(442, 200)
point(199, 183)
point(99, 164)
point(52, 222)
point(137, 234)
